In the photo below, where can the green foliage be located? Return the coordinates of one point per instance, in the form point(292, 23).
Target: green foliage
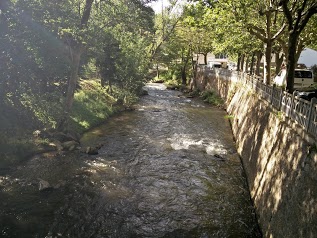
point(172, 84)
point(37, 44)
point(92, 106)
point(195, 93)
point(278, 114)
point(173, 73)
point(230, 117)
point(212, 98)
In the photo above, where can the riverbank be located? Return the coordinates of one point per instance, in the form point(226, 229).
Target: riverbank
point(28, 132)
point(279, 162)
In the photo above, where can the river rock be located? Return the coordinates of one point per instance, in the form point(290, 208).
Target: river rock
point(92, 150)
point(57, 145)
point(43, 185)
point(70, 145)
point(219, 157)
point(144, 92)
point(60, 184)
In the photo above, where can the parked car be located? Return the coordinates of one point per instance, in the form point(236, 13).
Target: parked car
point(306, 94)
point(303, 78)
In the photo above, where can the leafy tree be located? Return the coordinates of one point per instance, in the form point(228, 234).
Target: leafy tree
point(202, 37)
point(297, 13)
point(29, 52)
point(106, 60)
point(258, 18)
point(46, 45)
point(231, 35)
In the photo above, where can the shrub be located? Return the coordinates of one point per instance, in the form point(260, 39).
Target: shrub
point(212, 98)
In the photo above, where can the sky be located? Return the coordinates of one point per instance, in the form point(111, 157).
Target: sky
point(308, 57)
point(157, 6)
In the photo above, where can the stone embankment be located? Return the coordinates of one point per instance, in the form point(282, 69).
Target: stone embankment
point(280, 164)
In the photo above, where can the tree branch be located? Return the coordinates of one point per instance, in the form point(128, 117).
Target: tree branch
point(279, 33)
point(256, 31)
point(288, 13)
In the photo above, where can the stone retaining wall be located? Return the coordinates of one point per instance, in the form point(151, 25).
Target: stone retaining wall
point(281, 166)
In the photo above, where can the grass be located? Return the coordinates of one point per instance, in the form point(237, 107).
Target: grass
point(92, 105)
point(230, 117)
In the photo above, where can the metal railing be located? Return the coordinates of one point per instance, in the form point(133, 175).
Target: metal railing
point(301, 111)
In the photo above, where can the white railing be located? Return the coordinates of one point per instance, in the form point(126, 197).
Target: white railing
point(302, 111)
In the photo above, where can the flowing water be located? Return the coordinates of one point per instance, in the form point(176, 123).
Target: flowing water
point(167, 169)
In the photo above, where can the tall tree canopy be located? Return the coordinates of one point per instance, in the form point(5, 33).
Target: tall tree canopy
point(47, 46)
point(243, 29)
point(297, 14)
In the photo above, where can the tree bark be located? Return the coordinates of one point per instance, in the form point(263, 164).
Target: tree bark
point(205, 58)
point(278, 62)
point(267, 66)
point(259, 56)
point(157, 71)
point(252, 63)
point(72, 82)
point(246, 64)
point(242, 63)
point(183, 70)
point(291, 62)
point(239, 62)
point(194, 68)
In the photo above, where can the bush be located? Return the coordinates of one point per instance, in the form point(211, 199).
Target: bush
point(212, 98)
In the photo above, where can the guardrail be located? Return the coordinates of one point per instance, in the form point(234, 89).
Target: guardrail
point(302, 111)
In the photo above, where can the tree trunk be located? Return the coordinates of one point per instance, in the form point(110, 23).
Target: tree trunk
point(239, 62)
point(246, 67)
point(76, 49)
point(242, 63)
point(194, 68)
point(252, 63)
point(300, 48)
point(205, 58)
point(267, 65)
point(183, 70)
point(291, 62)
point(72, 83)
point(184, 79)
point(278, 62)
point(259, 56)
point(157, 71)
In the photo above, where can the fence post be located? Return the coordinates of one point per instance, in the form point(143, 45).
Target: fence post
point(310, 112)
point(281, 99)
point(292, 104)
point(272, 95)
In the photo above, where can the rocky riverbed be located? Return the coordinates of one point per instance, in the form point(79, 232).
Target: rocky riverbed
point(169, 168)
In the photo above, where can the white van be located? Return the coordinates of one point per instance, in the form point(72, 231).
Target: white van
point(303, 78)
point(214, 65)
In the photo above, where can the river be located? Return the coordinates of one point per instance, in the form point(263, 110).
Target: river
point(169, 168)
